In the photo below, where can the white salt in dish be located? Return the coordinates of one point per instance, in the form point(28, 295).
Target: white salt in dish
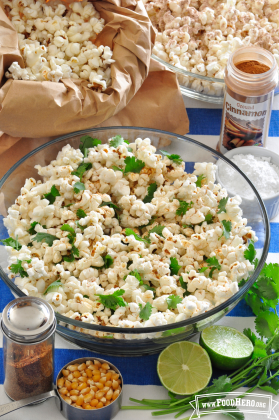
point(263, 176)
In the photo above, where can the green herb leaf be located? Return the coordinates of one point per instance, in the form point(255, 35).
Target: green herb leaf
point(137, 275)
point(18, 269)
point(175, 158)
point(183, 207)
point(227, 227)
point(259, 349)
point(87, 142)
point(157, 229)
point(46, 237)
point(150, 193)
point(113, 300)
point(81, 213)
point(53, 286)
point(80, 226)
point(269, 389)
point(199, 181)
point(109, 204)
point(11, 242)
point(252, 337)
point(222, 205)
point(174, 266)
point(235, 415)
point(82, 168)
point(86, 296)
point(129, 232)
point(108, 261)
point(254, 302)
point(68, 228)
point(266, 324)
point(52, 194)
point(133, 165)
point(32, 230)
point(115, 168)
point(69, 258)
point(208, 218)
point(214, 264)
point(173, 332)
point(69, 205)
point(116, 141)
point(268, 288)
point(148, 288)
point(184, 286)
point(250, 253)
point(173, 301)
point(78, 187)
point(145, 311)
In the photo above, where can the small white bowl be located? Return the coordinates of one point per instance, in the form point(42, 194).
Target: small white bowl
point(272, 202)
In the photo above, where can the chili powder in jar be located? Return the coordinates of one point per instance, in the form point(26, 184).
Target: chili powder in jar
point(28, 325)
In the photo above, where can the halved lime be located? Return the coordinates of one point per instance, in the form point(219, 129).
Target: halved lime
point(227, 347)
point(184, 368)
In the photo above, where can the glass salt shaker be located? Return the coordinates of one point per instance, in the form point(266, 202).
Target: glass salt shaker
point(28, 325)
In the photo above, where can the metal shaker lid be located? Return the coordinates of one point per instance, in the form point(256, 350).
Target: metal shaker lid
point(28, 319)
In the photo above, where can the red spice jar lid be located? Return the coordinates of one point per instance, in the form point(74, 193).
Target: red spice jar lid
point(28, 319)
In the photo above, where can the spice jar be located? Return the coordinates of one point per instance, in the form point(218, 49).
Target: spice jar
point(251, 76)
point(28, 325)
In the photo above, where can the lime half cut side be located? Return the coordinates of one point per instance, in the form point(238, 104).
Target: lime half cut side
point(227, 347)
point(184, 368)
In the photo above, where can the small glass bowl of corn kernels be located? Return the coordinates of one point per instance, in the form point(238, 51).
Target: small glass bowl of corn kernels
point(91, 384)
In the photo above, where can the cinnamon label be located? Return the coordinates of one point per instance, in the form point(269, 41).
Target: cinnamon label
point(243, 124)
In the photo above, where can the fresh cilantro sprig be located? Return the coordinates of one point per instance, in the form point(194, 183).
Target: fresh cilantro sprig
point(183, 207)
point(78, 187)
point(18, 269)
point(250, 253)
point(173, 301)
point(114, 300)
point(199, 180)
point(133, 165)
point(45, 237)
point(32, 230)
point(87, 142)
point(82, 168)
point(71, 237)
point(174, 266)
point(53, 286)
point(81, 214)
point(157, 229)
point(222, 205)
point(11, 242)
point(150, 193)
point(227, 227)
point(145, 311)
point(184, 286)
point(52, 194)
point(118, 141)
point(175, 158)
point(129, 232)
point(213, 264)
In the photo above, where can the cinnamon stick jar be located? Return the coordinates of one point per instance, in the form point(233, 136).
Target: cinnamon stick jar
point(28, 325)
point(251, 76)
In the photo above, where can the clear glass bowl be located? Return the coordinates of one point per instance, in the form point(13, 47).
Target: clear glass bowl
point(203, 88)
point(136, 341)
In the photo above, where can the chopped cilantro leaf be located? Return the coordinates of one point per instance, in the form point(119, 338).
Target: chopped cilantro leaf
point(150, 193)
point(133, 165)
point(174, 266)
point(113, 300)
point(68, 228)
point(250, 252)
point(222, 205)
point(208, 218)
point(81, 213)
point(145, 311)
point(116, 141)
point(227, 227)
point(115, 168)
point(214, 264)
point(203, 269)
point(173, 300)
point(18, 269)
point(32, 230)
point(11, 242)
point(109, 204)
point(183, 207)
point(108, 261)
point(199, 180)
point(78, 187)
point(53, 286)
point(184, 286)
point(52, 194)
point(157, 229)
point(41, 236)
point(129, 232)
point(82, 168)
point(188, 226)
point(148, 288)
point(266, 324)
point(175, 158)
point(136, 274)
point(69, 258)
point(86, 296)
point(80, 226)
point(87, 142)
point(69, 205)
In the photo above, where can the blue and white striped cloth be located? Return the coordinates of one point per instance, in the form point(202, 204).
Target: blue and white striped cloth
point(140, 376)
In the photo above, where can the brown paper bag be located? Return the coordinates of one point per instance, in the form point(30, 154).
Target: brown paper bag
point(157, 104)
point(37, 109)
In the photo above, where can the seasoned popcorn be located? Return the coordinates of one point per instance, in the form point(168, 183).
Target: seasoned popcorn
point(199, 35)
point(120, 236)
point(58, 43)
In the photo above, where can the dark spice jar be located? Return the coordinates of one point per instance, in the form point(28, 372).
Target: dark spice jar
point(28, 325)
